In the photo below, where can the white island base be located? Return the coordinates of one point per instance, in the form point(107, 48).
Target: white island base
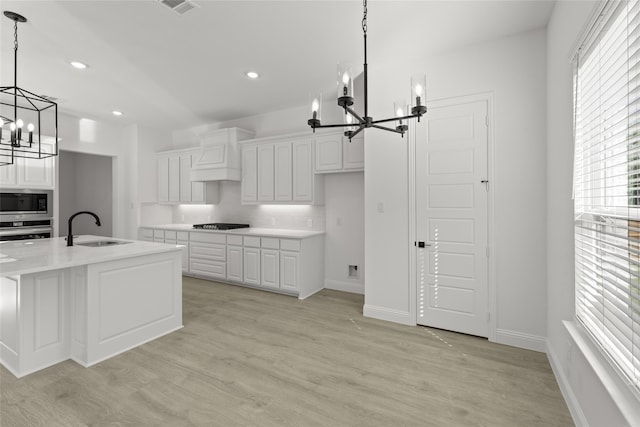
point(91, 312)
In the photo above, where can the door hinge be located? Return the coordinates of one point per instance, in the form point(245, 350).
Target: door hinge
point(487, 251)
point(486, 120)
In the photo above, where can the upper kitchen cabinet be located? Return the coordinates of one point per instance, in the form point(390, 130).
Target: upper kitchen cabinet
point(29, 173)
point(174, 180)
point(279, 170)
point(335, 153)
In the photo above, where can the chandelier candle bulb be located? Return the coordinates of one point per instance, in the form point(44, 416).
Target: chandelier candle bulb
point(418, 93)
point(19, 123)
point(345, 84)
point(400, 111)
point(316, 110)
point(12, 128)
point(30, 128)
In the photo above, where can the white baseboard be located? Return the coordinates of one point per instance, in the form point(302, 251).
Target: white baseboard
point(522, 340)
point(339, 285)
point(565, 388)
point(388, 314)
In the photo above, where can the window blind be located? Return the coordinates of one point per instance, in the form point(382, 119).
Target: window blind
point(607, 185)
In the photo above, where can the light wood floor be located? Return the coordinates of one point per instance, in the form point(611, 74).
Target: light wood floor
point(251, 358)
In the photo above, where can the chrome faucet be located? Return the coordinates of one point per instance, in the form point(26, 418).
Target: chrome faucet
point(70, 236)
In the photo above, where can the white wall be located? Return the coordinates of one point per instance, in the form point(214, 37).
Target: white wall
point(586, 394)
point(85, 185)
point(513, 71)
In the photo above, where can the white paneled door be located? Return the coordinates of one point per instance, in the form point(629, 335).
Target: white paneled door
point(452, 211)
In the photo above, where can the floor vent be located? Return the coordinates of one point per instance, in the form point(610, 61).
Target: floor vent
point(179, 6)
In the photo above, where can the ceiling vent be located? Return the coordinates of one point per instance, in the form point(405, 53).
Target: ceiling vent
point(179, 6)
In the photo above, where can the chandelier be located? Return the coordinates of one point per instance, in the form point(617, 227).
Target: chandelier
point(19, 107)
point(352, 121)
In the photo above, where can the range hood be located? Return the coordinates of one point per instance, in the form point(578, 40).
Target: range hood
point(219, 155)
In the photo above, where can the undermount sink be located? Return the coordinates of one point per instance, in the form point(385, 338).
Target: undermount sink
point(101, 243)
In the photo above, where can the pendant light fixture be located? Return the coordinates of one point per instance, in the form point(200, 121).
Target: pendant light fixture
point(353, 122)
point(19, 107)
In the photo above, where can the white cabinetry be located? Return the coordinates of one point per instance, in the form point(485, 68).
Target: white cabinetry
point(280, 170)
point(234, 258)
point(265, 172)
point(170, 237)
point(335, 153)
point(249, 186)
point(29, 173)
point(174, 183)
point(251, 266)
point(208, 255)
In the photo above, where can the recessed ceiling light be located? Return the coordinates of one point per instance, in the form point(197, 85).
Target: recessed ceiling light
point(78, 65)
point(252, 75)
point(117, 113)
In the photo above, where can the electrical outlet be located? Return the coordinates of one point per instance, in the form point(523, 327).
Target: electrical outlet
point(208, 218)
point(182, 218)
point(338, 221)
point(353, 271)
point(273, 221)
point(309, 223)
point(380, 207)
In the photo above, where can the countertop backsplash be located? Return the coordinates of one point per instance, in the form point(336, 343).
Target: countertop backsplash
point(229, 209)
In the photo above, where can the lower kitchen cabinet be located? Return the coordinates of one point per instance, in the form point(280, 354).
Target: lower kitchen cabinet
point(290, 271)
point(270, 268)
point(293, 266)
point(251, 258)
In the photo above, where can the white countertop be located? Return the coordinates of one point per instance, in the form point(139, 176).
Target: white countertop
point(266, 232)
point(31, 256)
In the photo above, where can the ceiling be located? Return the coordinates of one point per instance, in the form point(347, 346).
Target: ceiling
point(175, 71)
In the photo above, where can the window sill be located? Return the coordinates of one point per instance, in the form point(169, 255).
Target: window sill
point(621, 392)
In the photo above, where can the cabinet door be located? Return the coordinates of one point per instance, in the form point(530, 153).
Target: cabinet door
point(270, 268)
point(251, 266)
point(282, 179)
point(174, 178)
point(302, 171)
point(290, 271)
point(249, 186)
point(265, 172)
point(353, 152)
point(185, 178)
point(329, 153)
point(234, 263)
point(35, 173)
point(163, 179)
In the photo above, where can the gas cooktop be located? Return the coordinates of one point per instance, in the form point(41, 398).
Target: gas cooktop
point(220, 226)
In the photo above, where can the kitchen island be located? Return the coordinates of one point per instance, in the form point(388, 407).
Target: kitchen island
point(85, 303)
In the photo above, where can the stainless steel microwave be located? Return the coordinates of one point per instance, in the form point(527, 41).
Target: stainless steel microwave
point(22, 204)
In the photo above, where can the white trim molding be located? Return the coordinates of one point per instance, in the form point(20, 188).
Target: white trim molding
point(522, 340)
point(341, 285)
point(565, 388)
point(388, 314)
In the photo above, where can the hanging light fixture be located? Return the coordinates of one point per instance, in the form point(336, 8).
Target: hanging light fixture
point(19, 106)
point(353, 122)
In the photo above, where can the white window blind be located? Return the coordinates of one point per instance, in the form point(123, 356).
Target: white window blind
point(607, 186)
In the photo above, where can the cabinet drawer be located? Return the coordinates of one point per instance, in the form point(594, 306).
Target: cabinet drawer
point(253, 242)
point(208, 251)
point(147, 233)
point(158, 234)
point(209, 238)
point(170, 235)
point(290, 245)
point(211, 269)
point(270, 243)
point(234, 240)
point(183, 235)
